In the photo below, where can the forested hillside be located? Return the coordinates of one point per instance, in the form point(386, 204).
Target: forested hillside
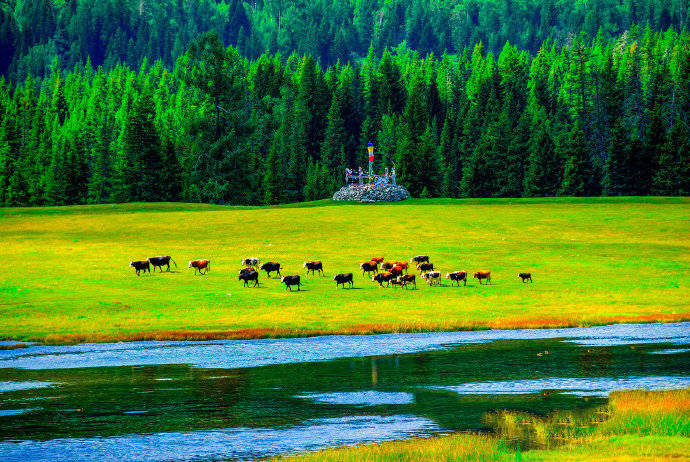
point(34, 33)
point(588, 116)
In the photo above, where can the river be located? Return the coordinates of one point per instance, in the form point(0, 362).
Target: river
point(255, 398)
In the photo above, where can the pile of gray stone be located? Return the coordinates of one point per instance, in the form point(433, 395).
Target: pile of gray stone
point(371, 193)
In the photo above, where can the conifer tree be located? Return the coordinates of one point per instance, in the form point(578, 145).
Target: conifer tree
point(617, 170)
point(577, 173)
point(671, 177)
point(271, 181)
point(334, 139)
point(542, 175)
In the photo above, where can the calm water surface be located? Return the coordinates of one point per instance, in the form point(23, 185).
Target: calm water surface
point(247, 399)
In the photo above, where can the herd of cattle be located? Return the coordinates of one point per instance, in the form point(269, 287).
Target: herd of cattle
point(392, 273)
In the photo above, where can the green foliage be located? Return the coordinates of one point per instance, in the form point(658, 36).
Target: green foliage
point(591, 117)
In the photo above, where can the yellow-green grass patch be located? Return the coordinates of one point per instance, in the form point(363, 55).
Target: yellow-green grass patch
point(633, 426)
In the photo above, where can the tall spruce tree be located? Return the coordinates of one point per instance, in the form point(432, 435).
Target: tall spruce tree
point(577, 174)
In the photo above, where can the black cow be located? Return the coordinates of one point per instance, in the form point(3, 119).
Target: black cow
point(313, 266)
point(290, 281)
point(525, 277)
point(369, 267)
point(158, 262)
point(345, 278)
point(406, 279)
point(140, 266)
point(270, 267)
point(425, 267)
point(251, 275)
point(249, 269)
point(420, 259)
point(383, 277)
point(457, 276)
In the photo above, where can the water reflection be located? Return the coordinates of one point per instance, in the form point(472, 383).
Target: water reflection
point(270, 403)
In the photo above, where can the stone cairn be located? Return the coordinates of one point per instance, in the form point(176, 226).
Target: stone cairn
point(372, 193)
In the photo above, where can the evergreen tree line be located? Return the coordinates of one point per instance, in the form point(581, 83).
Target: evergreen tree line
point(34, 33)
point(594, 116)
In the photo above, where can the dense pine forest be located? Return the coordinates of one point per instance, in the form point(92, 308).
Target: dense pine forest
point(268, 102)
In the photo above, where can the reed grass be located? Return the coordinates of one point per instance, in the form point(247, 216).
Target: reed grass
point(634, 425)
point(65, 276)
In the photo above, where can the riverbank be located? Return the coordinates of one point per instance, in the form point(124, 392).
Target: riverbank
point(593, 261)
point(634, 425)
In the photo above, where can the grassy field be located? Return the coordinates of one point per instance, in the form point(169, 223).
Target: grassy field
point(635, 425)
point(65, 276)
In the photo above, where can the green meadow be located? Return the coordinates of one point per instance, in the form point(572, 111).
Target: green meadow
point(65, 276)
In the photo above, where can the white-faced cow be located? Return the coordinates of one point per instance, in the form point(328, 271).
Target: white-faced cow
point(252, 261)
point(406, 279)
point(383, 277)
point(420, 259)
point(483, 275)
point(525, 277)
point(313, 266)
point(290, 281)
point(344, 278)
point(457, 276)
point(403, 264)
point(386, 266)
point(203, 266)
point(432, 277)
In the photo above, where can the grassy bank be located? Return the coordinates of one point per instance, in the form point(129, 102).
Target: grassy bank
point(65, 275)
point(635, 425)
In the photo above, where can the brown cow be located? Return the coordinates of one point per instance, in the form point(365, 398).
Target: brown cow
point(483, 275)
point(200, 265)
point(387, 266)
point(405, 266)
point(420, 259)
point(378, 260)
point(397, 270)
